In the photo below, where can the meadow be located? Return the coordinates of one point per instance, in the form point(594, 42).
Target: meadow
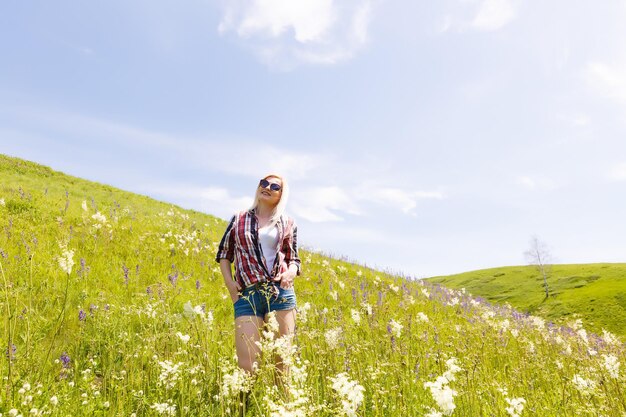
point(594, 293)
point(113, 305)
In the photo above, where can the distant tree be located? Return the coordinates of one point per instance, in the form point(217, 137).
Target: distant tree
point(539, 256)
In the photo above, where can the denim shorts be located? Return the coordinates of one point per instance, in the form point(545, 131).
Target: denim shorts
point(258, 300)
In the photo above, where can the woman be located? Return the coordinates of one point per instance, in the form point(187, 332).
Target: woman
point(262, 242)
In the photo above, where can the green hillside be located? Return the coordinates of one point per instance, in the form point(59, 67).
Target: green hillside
point(112, 305)
point(595, 293)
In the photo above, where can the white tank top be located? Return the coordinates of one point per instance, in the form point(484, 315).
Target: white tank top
point(268, 236)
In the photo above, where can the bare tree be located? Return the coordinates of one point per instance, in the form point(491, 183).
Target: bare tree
point(539, 256)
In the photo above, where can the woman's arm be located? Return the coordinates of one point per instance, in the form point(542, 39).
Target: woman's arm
point(290, 249)
point(225, 256)
point(233, 286)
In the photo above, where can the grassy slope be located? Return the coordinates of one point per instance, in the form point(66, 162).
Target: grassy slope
point(595, 293)
point(132, 325)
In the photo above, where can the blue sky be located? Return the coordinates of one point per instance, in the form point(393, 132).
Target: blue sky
point(420, 137)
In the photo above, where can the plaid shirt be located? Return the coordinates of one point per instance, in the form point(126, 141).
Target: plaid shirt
point(240, 244)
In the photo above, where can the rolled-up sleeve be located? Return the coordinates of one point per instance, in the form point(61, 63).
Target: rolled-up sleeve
point(290, 247)
point(226, 249)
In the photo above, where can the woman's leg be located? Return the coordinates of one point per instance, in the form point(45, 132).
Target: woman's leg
point(247, 332)
point(286, 327)
point(286, 321)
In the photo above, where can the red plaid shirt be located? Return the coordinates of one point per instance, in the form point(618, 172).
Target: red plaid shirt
point(240, 244)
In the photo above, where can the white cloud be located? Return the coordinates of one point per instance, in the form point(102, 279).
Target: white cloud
point(286, 33)
point(494, 14)
point(324, 204)
point(480, 15)
point(405, 200)
point(321, 204)
point(618, 172)
point(536, 183)
point(211, 199)
point(607, 80)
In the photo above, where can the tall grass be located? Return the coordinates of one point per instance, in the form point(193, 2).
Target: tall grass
point(140, 324)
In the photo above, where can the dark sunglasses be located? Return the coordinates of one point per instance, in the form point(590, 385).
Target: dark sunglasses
point(273, 186)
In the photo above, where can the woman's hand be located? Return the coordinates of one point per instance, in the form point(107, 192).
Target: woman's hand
point(286, 278)
point(234, 289)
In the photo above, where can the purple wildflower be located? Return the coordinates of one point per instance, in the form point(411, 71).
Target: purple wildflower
point(10, 353)
point(81, 271)
point(65, 359)
point(125, 269)
point(174, 276)
point(149, 290)
point(82, 315)
point(197, 284)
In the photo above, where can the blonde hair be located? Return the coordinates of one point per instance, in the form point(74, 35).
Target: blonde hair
point(279, 210)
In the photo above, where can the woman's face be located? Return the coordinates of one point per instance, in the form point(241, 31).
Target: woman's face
point(267, 195)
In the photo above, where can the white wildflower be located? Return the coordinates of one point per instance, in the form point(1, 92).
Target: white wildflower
point(54, 400)
point(2, 203)
point(84, 205)
point(271, 326)
point(396, 328)
point(332, 337)
point(611, 364)
point(167, 409)
point(488, 315)
point(170, 373)
point(234, 381)
point(516, 406)
point(334, 295)
point(100, 220)
point(538, 322)
point(454, 301)
point(66, 260)
point(610, 338)
point(350, 392)
point(183, 337)
point(576, 324)
point(453, 368)
point(191, 312)
point(367, 308)
point(394, 288)
point(441, 392)
point(303, 312)
point(356, 316)
point(425, 292)
point(585, 386)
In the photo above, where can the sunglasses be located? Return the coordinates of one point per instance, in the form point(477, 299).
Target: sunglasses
point(273, 186)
